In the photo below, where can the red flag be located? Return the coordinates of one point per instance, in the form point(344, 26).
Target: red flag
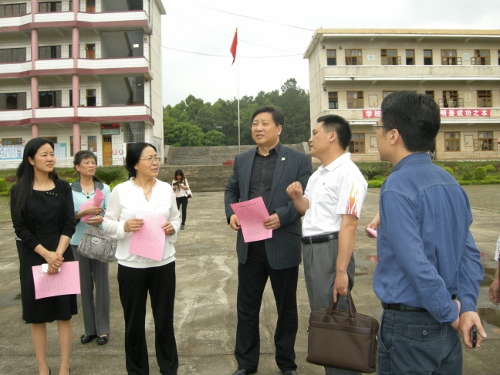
point(234, 45)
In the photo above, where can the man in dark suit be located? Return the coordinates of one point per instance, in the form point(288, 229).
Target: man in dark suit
point(266, 172)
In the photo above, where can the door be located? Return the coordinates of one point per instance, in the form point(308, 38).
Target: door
point(90, 48)
point(107, 150)
point(90, 6)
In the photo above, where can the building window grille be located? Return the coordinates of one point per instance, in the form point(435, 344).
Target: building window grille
point(427, 57)
point(333, 100)
point(452, 141)
point(331, 57)
point(410, 57)
point(357, 145)
point(353, 57)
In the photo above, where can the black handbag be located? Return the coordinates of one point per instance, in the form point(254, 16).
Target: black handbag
point(343, 339)
point(96, 244)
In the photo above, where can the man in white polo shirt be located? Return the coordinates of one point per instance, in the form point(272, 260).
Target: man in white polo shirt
point(332, 205)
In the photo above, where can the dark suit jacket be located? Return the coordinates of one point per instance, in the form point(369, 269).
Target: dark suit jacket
point(284, 248)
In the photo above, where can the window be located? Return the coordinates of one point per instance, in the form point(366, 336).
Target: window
point(484, 141)
point(499, 57)
point(389, 57)
point(92, 143)
point(52, 139)
point(357, 145)
point(70, 51)
point(449, 57)
point(49, 52)
point(452, 141)
point(12, 55)
point(410, 57)
point(353, 57)
point(52, 6)
point(450, 100)
point(385, 93)
point(481, 57)
point(15, 100)
point(333, 100)
point(12, 141)
point(355, 99)
point(331, 57)
point(430, 93)
point(49, 99)
point(484, 98)
point(12, 10)
point(427, 57)
point(91, 98)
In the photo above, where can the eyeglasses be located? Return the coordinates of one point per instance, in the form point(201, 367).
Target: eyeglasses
point(375, 127)
point(151, 160)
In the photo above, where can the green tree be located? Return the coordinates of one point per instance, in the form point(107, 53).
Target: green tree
point(214, 138)
point(222, 117)
point(185, 134)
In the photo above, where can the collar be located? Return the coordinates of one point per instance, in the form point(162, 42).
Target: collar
point(76, 186)
point(417, 157)
point(275, 149)
point(337, 162)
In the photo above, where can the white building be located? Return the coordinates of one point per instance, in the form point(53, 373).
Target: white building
point(84, 73)
point(352, 70)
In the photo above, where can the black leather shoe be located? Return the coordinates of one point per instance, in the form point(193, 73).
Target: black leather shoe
point(84, 339)
point(102, 340)
point(242, 371)
point(292, 372)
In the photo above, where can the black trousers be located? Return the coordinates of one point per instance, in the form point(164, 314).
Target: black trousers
point(134, 285)
point(184, 202)
point(252, 279)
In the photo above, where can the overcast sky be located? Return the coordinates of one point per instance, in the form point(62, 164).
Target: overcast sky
point(274, 34)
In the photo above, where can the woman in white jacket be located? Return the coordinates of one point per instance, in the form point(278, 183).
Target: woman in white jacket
point(142, 195)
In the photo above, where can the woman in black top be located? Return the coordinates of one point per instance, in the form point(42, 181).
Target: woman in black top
point(44, 221)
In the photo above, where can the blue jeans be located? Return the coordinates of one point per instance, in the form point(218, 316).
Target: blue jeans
point(413, 343)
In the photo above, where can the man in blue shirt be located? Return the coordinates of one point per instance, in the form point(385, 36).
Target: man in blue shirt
point(429, 267)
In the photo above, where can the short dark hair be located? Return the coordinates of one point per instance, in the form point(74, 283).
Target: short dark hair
point(81, 156)
point(339, 125)
point(415, 116)
point(278, 117)
point(134, 155)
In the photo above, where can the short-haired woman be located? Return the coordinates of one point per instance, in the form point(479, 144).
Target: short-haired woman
point(93, 273)
point(143, 194)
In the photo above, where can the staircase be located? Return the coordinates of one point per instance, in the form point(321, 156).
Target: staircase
point(206, 168)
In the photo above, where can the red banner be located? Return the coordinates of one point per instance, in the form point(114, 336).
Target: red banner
point(444, 112)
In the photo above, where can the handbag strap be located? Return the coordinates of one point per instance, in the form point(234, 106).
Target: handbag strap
point(350, 303)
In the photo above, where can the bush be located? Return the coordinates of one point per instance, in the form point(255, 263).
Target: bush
point(110, 174)
point(480, 173)
point(449, 170)
point(3, 185)
point(467, 173)
point(375, 183)
point(489, 168)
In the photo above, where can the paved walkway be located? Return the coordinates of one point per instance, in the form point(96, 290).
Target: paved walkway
point(206, 300)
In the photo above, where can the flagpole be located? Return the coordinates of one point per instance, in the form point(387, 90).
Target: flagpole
point(238, 97)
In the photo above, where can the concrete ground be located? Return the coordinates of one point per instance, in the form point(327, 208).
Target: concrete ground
point(205, 309)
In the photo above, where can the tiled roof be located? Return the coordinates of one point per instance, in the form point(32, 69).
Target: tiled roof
point(409, 31)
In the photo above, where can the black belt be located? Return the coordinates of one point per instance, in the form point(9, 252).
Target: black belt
point(320, 238)
point(403, 308)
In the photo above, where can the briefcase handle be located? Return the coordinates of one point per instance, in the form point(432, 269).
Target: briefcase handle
point(350, 302)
